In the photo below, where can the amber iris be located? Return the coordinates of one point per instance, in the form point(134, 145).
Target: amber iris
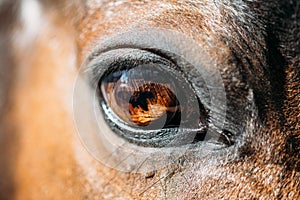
point(139, 102)
point(149, 97)
point(145, 98)
point(151, 101)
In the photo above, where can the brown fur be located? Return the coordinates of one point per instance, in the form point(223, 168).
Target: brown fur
point(41, 156)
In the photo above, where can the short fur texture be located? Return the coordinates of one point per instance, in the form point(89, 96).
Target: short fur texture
point(254, 41)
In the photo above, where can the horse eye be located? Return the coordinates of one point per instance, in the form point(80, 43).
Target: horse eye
point(153, 96)
point(151, 103)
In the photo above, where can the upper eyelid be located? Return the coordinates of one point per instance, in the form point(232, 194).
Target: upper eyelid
point(167, 41)
point(118, 56)
point(158, 41)
point(153, 38)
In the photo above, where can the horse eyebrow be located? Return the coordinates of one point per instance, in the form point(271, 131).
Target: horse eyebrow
point(249, 29)
point(231, 22)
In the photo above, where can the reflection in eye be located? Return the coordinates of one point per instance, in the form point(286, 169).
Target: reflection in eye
point(152, 101)
point(140, 102)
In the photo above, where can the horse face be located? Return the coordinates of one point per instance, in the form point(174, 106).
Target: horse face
point(238, 58)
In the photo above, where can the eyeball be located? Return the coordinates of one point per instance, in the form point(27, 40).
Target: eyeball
point(151, 100)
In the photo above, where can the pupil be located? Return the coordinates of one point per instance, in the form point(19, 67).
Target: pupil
point(150, 102)
point(141, 99)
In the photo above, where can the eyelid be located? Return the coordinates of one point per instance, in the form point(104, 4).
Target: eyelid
point(109, 59)
point(154, 39)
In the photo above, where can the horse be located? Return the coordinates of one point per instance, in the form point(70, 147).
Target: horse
point(226, 89)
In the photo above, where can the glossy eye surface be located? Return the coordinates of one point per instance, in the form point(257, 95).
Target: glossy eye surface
point(151, 101)
point(142, 103)
point(140, 99)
